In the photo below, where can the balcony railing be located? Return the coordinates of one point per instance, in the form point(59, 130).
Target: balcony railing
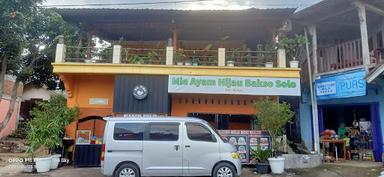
point(251, 58)
point(89, 54)
point(345, 55)
point(168, 56)
point(197, 57)
point(143, 56)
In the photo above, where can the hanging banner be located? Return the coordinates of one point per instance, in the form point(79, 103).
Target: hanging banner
point(343, 85)
point(234, 85)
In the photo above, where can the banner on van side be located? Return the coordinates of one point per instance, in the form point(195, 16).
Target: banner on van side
point(234, 85)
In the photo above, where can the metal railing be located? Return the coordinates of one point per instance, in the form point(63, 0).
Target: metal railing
point(143, 56)
point(89, 54)
point(250, 58)
point(197, 57)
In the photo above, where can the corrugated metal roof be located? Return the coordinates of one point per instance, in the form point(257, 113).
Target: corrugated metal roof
point(154, 24)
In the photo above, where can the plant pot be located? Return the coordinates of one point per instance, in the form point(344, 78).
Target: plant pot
point(187, 64)
point(195, 64)
point(262, 168)
point(87, 61)
point(28, 167)
point(269, 65)
point(230, 63)
point(42, 164)
point(277, 164)
point(294, 64)
point(55, 161)
point(179, 63)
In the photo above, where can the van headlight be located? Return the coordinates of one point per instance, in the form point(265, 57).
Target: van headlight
point(235, 155)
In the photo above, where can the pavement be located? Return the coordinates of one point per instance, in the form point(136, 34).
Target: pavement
point(325, 170)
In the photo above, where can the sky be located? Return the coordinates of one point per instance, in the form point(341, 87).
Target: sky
point(177, 4)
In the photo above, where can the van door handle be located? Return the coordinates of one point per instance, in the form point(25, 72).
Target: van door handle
point(187, 146)
point(177, 147)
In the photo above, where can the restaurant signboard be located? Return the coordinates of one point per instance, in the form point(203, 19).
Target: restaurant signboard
point(234, 85)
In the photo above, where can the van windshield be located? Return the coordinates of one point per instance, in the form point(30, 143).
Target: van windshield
point(215, 130)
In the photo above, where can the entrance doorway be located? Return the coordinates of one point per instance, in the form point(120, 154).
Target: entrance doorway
point(226, 121)
point(362, 124)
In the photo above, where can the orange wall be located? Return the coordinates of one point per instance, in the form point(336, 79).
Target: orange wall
point(84, 87)
point(182, 104)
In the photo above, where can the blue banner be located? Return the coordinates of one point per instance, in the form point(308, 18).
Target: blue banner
point(342, 85)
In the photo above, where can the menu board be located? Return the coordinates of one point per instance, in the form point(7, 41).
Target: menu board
point(244, 140)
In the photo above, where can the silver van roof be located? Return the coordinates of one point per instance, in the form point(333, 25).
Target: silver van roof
point(149, 118)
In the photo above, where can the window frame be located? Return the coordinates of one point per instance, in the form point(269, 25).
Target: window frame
point(148, 131)
point(213, 137)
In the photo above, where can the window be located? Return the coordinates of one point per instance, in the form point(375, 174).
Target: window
point(199, 132)
point(164, 131)
point(128, 131)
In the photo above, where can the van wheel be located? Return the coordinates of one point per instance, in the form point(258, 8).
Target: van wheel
point(127, 170)
point(224, 170)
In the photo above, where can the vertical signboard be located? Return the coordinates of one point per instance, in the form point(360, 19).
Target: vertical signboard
point(247, 140)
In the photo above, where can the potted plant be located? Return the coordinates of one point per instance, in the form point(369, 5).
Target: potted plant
point(294, 48)
point(231, 58)
point(45, 131)
point(261, 157)
point(180, 56)
point(136, 59)
point(272, 116)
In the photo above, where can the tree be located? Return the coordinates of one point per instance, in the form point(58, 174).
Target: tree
point(48, 123)
point(272, 116)
point(27, 37)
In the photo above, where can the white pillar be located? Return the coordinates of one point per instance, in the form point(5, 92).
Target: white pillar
point(116, 54)
point(281, 58)
point(60, 50)
point(313, 33)
point(221, 56)
point(363, 32)
point(169, 56)
point(315, 119)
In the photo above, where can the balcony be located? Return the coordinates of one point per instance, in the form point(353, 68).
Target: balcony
point(165, 61)
point(347, 55)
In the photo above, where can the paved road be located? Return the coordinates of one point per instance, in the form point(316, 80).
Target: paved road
point(322, 171)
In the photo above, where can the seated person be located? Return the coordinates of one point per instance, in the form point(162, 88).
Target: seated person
point(342, 130)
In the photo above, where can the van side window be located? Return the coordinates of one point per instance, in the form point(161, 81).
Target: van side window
point(164, 131)
point(199, 132)
point(128, 131)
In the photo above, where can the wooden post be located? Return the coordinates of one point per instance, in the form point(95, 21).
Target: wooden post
point(116, 54)
point(221, 56)
point(174, 38)
point(60, 50)
point(313, 33)
point(169, 56)
point(363, 32)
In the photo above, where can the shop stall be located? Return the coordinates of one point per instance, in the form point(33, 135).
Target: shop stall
point(88, 142)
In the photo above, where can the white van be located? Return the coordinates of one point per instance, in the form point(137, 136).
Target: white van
point(166, 146)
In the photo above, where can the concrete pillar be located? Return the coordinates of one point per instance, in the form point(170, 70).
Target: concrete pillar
point(116, 59)
point(60, 50)
point(281, 58)
point(363, 32)
point(313, 33)
point(169, 56)
point(221, 56)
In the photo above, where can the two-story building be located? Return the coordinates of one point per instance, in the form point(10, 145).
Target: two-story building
point(346, 51)
point(207, 64)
